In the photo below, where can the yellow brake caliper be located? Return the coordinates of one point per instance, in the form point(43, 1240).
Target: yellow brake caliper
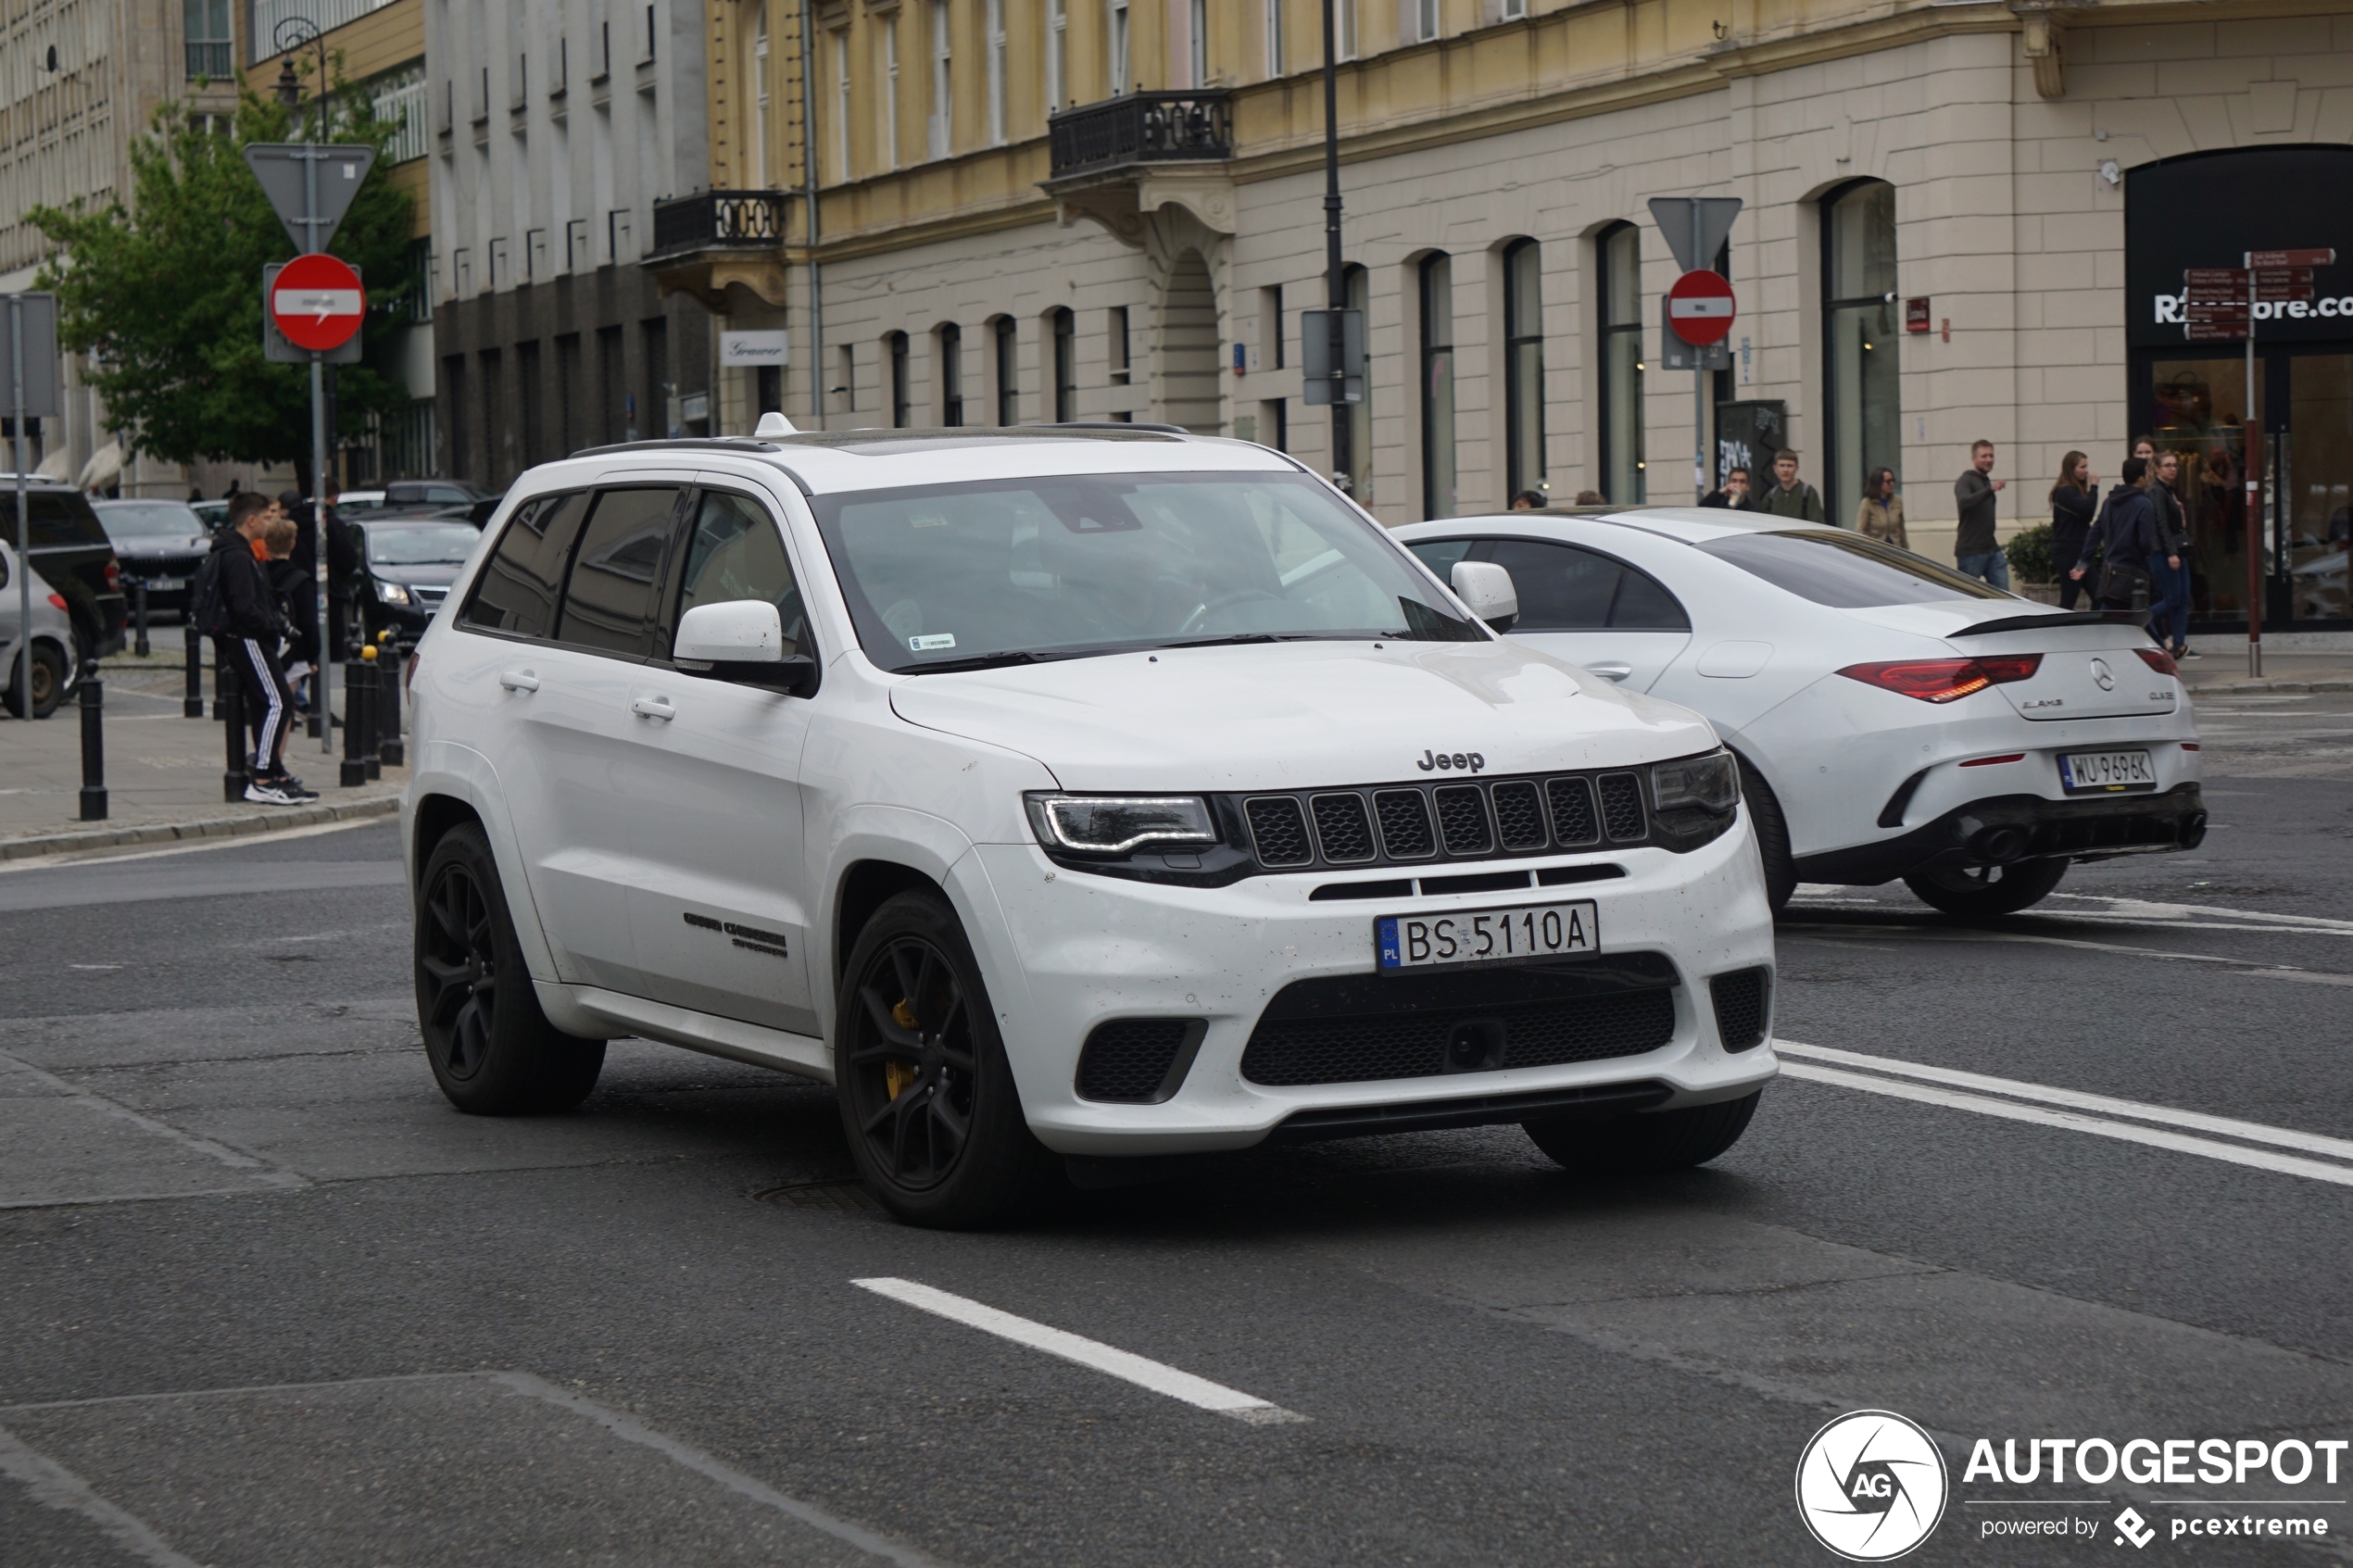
point(899, 1077)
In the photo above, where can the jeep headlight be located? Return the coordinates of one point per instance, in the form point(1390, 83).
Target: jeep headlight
point(1711, 782)
point(1116, 825)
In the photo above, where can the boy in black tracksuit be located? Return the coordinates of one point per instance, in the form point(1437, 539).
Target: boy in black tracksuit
point(256, 626)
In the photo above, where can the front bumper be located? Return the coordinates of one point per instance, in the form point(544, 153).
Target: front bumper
point(1066, 951)
point(2007, 828)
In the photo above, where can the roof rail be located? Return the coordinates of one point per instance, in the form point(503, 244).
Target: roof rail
point(684, 443)
point(1115, 424)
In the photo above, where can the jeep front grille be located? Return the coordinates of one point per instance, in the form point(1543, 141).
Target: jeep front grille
point(1458, 818)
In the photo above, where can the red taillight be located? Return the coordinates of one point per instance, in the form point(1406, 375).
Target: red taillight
point(2158, 661)
point(58, 600)
point(114, 573)
point(1946, 680)
point(1994, 761)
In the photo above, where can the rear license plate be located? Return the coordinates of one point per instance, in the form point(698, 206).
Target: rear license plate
point(1527, 931)
point(2105, 772)
point(154, 583)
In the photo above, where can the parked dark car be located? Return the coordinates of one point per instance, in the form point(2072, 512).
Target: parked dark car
point(436, 493)
point(159, 542)
point(410, 562)
point(72, 552)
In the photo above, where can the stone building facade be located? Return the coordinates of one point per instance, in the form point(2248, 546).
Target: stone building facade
point(2004, 179)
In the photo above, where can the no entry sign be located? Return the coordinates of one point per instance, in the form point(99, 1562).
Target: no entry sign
point(1700, 308)
point(317, 302)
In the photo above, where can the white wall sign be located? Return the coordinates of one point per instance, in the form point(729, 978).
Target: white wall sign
point(755, 349)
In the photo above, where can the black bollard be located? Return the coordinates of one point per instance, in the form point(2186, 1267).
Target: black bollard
point(93, 744)
point(370, 746)
point(139, 615)
point(191, 706)
point(222, 675)
point(390, 749)
point(230, 704)
point(355, 686)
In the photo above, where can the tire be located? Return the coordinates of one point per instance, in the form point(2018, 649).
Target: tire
point(1978, 892)
point(1646, 1143)
point(1772, 834)
point(928, 1103)
point(503, 1059)
point(48, 683)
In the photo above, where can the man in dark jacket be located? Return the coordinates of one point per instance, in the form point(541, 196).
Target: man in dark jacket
point(2127, 535)
point(255, 625)
point(1733, 496)
point(1975, 550)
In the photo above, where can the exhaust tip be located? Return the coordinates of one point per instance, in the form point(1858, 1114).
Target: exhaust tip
point(2194, 830)
point(2000, 846)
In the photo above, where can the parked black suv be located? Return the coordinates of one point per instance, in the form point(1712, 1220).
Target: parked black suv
point(72, 552)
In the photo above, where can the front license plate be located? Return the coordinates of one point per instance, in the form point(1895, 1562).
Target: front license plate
point(2104, 772)
point(1529, 931)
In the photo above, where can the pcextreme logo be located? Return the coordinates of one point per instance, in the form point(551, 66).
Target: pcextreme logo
point(1872, 1485)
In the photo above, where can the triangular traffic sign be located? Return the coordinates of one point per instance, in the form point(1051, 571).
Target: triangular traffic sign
point(280, 167)
point(1675, 217)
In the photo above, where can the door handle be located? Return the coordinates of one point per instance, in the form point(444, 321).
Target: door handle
point(1611, 672)
point(518, 679)
point(653, 708)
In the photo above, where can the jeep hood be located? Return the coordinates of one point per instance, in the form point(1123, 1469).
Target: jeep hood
point(1299, 715)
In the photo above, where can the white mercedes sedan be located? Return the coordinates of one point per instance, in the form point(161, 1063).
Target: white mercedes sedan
point(1892, 717)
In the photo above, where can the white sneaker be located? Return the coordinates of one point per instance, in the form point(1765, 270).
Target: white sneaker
point(280, 792)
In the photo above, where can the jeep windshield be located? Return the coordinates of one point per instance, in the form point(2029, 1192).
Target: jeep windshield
point(1011, 571)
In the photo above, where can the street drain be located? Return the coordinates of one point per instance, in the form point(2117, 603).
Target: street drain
point(841, 1194)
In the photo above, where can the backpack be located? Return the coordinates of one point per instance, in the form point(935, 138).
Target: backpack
point(207, 607)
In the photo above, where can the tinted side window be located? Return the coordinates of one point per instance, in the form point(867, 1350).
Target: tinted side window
point(519, 590)
point(1846, 571)
point(735, 553)
point(610, 599)
point(1439, 555)
point(1566, 588)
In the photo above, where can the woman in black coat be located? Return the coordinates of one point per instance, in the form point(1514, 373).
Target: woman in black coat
point(2074, 502)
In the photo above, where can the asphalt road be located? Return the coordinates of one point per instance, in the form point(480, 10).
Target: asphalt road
point(270, 1301)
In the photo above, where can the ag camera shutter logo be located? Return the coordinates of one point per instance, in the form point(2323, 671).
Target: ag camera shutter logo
point(1872, 1485)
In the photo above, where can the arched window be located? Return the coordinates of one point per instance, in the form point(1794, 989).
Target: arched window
point(895, 351)
point(1064, 325)
point(1861, 389)
point(1438, 386)
point(1618, 255)
point(1008, 367)
point(949, 342)
point(1523, 367)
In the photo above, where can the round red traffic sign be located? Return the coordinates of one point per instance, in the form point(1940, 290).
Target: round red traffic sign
point(317, 302)
point(1700, 308)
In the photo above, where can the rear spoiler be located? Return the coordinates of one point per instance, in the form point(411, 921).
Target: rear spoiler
point(2038, 623)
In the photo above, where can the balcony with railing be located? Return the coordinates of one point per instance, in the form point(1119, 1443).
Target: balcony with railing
point(1141, 128)
point(719, 221)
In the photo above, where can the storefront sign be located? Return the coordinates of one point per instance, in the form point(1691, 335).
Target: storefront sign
point(2187, 218)
point(1916, 315)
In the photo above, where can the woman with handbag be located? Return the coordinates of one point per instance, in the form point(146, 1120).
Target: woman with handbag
point(2075, 503)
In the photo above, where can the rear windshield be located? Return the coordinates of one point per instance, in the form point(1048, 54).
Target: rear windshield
point(149, 520)
point(1846, 571)
point(1008, 570)
point(62, 520)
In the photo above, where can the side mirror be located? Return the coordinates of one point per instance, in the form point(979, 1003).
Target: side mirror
point(1487, 589)
point(741, 640)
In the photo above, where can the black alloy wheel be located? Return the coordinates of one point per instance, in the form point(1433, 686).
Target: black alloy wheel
point(1980, 892)
point(492, 1049)
point(934, 1121)
point(456, 953)
point(915, 1061)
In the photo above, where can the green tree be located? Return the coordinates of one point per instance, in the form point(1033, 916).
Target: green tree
point(166, 295)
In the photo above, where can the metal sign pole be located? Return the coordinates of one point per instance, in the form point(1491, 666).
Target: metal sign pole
point(2254, 503)
point(1336, 280)
point(24, 527)
point(322, 589)
point(1699, 382)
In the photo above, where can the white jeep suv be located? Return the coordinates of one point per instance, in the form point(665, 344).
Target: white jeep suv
point(1061, 794)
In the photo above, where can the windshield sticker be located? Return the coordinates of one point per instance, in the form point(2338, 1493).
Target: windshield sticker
point(937, 640)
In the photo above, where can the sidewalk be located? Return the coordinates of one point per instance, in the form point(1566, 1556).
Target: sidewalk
point(2293, 662)
point(163, 771)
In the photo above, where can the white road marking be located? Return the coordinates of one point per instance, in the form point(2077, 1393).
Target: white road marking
point(1160, 1379)
point(60, 1488)
point(2075, 1100)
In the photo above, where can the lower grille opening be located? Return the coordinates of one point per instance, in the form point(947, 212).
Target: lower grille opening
point(1470, 1038)
point(1137, 1061)
point(1740, 1007)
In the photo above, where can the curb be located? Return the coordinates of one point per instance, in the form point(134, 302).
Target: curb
point(2264, 686)
point(246, 826)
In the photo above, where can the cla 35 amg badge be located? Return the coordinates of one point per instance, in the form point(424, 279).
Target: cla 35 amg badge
point(1872, 1485)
